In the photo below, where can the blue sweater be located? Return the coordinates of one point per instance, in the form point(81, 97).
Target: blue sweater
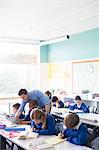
point(41, 98)
point(37, 127)
point(77, 136)
point(83, 107)
point(50, 126)
point(21, 116)
point(27, 117)
point(61, 104)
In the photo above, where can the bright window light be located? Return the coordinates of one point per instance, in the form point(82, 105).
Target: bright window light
point(18, 67)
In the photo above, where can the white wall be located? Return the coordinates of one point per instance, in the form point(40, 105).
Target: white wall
point(44, 83)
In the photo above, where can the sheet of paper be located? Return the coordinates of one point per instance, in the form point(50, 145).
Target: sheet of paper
point(76, 111)
point(54, 140)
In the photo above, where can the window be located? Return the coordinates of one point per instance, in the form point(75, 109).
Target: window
point(18, 67)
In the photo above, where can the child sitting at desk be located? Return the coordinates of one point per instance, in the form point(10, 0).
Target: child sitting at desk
point(26, 120)
point(75, 132)
point(42, 123)
point(15, 108)
point(79, 105)
point(57, 103)
point(49, 94)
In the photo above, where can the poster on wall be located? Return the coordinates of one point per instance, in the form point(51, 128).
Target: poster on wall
point(59, 75)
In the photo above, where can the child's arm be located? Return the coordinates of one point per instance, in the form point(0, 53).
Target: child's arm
point(63, 134)
point(81, 139)
point(76, 140)
point(33, 126)
point(72, 107)
point(24, 122)
point(20, 110)
point(50, 127)
point(85, 108)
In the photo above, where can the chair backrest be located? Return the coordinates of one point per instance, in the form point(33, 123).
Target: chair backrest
point(96, 132)
point(97, 111)
point(95, 144)
point(58, 127)
point(91, 138)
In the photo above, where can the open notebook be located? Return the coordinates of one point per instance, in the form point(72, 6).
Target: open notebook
point(76, 111)
point(13, 119)
point(54, 140)
point(42, 143)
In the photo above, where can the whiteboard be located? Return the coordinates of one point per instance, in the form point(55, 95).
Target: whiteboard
point(85, 76)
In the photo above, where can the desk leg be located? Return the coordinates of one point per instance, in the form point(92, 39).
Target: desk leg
point(19, 148)
point(2, 143)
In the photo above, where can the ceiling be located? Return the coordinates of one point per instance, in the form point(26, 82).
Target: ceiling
point(46, 19)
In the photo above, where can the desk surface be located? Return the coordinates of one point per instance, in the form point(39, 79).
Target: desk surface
point(88, 118)
point(26, 144)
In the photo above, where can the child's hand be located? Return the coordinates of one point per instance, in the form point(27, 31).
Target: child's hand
point(65, 139)
point(7, 115)
point(30, 129)
point(20, 122)
point(33, 129)
point(60, 135)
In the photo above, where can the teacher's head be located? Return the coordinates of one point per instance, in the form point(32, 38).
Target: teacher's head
point(23, 93)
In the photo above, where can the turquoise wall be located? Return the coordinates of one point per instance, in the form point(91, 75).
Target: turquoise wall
point(83, 45)
point(44, 54)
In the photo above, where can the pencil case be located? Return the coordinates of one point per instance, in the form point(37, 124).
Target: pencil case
point(2, 126)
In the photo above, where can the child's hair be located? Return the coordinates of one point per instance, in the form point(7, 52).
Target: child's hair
point(33, 103)
point(49, 94)
point(77, 97)
point(71, 120)
point(17, 105)
point(38, 114)
point(54, 98)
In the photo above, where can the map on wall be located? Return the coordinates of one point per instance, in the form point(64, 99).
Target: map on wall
point(85, 76)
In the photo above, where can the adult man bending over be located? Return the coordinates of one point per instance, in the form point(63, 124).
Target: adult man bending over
point(42, 100)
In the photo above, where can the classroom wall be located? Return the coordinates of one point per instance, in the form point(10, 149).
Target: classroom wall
point(83, 45)
point(44, 82)
point(44, 68)
point(80, 46)
point(44, 54)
